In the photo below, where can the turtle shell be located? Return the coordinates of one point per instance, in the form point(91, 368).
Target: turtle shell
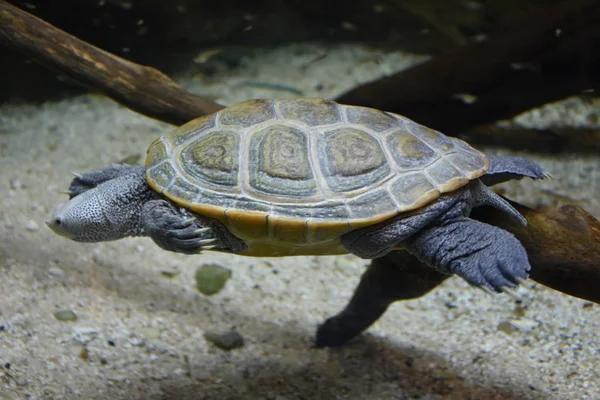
point(291, 176)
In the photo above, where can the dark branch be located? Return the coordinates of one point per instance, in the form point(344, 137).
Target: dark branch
point(539, 60)
point(141, 88)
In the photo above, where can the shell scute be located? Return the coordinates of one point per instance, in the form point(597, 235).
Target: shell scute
point(247, 114)
point(444, 176)
point(192, 129)
point(213, 158)
point(410, 152)
point(411, 189)
point(311, 112)
point(470, 163)
point(376, 202)
point(157, 153)
point(184, 190)
point(351, 159)
point(376, 120)
point(431, 137)
point(161, 174)
point(280, 162)
point(288, 230)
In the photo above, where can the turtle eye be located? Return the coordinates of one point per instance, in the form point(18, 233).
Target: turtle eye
point(57, 221)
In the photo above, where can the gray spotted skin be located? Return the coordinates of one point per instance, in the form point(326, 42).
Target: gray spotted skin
point(110, 209)
point(117, 202)
point(484, 255)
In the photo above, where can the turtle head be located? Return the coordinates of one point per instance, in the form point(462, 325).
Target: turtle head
point(109, 211)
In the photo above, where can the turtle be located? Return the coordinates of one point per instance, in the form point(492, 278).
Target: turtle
point(308, 176)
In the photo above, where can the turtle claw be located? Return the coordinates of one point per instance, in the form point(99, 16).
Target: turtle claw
point(512, 292)
point(520, 280)
point(190, 239)
point(189, 221)
point(486, 290)
point(175, 229)
point(77, 175)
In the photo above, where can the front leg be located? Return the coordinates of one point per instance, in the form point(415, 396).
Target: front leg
point(484, 255)
point(442, 236)
point(88, 180)
point(378, 240)
point(175, 230)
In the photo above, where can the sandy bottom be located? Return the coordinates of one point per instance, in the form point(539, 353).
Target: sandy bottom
point(139, 335)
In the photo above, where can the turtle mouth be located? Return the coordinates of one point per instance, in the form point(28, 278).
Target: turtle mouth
point(55, 223)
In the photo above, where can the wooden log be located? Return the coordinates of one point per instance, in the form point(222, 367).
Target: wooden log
point(537, 61)
point(551, 140)
point(563, 245)
point(141, 88)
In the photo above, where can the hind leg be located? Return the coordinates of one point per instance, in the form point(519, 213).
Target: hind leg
point(396, 276)
point(506, 168)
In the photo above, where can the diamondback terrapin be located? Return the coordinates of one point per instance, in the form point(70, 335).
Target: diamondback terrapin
point(308, 177)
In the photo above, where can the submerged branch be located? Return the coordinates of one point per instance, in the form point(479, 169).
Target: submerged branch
point(141, 88)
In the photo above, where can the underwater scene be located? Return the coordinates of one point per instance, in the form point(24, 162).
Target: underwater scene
point(392, 199)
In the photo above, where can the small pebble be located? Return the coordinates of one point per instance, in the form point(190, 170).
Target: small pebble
point(211, 278)
point(84, 354)
point(524, 324)
point(506, 327)
point(517, 324)
point(20, 381)
point(84, 335)
point(55, 271)
point(170, 274)
point(446, 374)
point(225, 340)
point(101, 258)
point(65, 315)
point(8, 224)
point(135, 340)
point(15, 184)
point(32, 226)
point(150, 333)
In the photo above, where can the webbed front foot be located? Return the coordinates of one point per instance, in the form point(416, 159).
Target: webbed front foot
point(176, 230)
point(485, 256)
point(88, 180)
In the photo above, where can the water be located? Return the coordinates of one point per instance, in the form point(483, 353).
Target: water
point(456, 342)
